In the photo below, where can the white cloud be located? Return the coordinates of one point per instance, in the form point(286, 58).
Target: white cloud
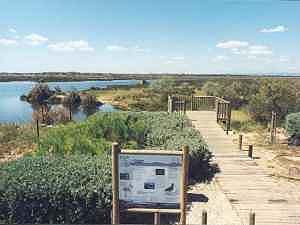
point(245, 49)
point(252, 57)
point(120, 48)
point(12, 30)
point(177, 58)
point(174, 59)
point(35, 39)
point(279, 28)
point(232, 44)
point(284, 59)
point(8, 42)
point(220, 58)
point(116, 48)
point(139, 49)
point(293, 68)
point(71, 46)
point(259, 50)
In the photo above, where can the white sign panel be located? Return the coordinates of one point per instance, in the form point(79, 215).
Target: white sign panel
point(150, 179)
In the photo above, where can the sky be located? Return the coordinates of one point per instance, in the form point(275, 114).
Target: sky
point(151, 36)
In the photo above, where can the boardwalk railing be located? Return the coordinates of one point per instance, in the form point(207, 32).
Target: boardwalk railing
point(182, 103)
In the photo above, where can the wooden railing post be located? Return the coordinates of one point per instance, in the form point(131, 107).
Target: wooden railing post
point(228, 117)
point(115, 184)
point(217, 109)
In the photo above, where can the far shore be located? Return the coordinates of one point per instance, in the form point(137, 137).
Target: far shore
point(74, 76)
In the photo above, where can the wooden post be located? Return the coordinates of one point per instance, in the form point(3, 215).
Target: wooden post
point(38, 128)
point(217, 110)
point(273, 127)
point(204, 217)
point(250, 151)
point(241, 142)
point(70, 111)
point(170, 105)
point(184, 106)
point(228, 119)
point(156, 218)
point(115, 183)
point(184, 184)
point(252, 218)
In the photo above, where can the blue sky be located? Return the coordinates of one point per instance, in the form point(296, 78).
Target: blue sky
point(200, 36)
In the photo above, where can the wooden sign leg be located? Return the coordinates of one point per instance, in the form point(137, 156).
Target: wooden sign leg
point(115, 183)
point(184, 184)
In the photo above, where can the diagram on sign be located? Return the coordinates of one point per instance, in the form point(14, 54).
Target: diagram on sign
point(149, 178)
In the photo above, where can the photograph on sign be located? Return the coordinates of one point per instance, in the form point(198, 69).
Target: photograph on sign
point(150, 179)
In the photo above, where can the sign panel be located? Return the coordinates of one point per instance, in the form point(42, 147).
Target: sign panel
point(150, 179)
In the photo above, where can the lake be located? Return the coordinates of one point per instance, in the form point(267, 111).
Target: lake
point(13, 110)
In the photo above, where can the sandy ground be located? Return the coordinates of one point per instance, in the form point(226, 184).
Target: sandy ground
point(209, 197)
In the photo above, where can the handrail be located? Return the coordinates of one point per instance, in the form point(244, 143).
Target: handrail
point(183, 103)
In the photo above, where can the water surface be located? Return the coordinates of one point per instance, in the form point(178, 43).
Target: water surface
point(13, 110)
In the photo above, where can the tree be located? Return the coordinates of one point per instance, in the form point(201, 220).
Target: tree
point(39, 94)
point(238, 92)
point(276, 95)
point(160, 90)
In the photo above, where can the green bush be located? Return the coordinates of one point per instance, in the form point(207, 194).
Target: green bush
point(280, 96)
point(94, 135)
point(172, 132)
point(69, 179)
point(73, 189)
point(133, 131)
point(238, 92)
point(293, 124)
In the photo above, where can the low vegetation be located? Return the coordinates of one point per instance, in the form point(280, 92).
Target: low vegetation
point(71, 189)
point(16, 140)
point(293, 128)
point(258, 98)
point(68, 180)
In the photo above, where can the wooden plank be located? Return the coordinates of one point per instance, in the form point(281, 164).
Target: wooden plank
point(242, 180)
point(152, 210)
point(151, 152)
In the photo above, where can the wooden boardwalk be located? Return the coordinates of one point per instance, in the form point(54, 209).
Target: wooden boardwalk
point(247, 185)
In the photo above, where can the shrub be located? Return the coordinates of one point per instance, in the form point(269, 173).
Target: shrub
point(69, 180)
point(159, 91)
point(172, 132)
point(132, 130)
point(39, 94)
point(73, 189)
point(238, 92)
point(72, 99)
point(280, 96)
point(293, 124)
point(94, 135)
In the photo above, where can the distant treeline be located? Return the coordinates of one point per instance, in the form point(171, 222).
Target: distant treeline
point(75, 76)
